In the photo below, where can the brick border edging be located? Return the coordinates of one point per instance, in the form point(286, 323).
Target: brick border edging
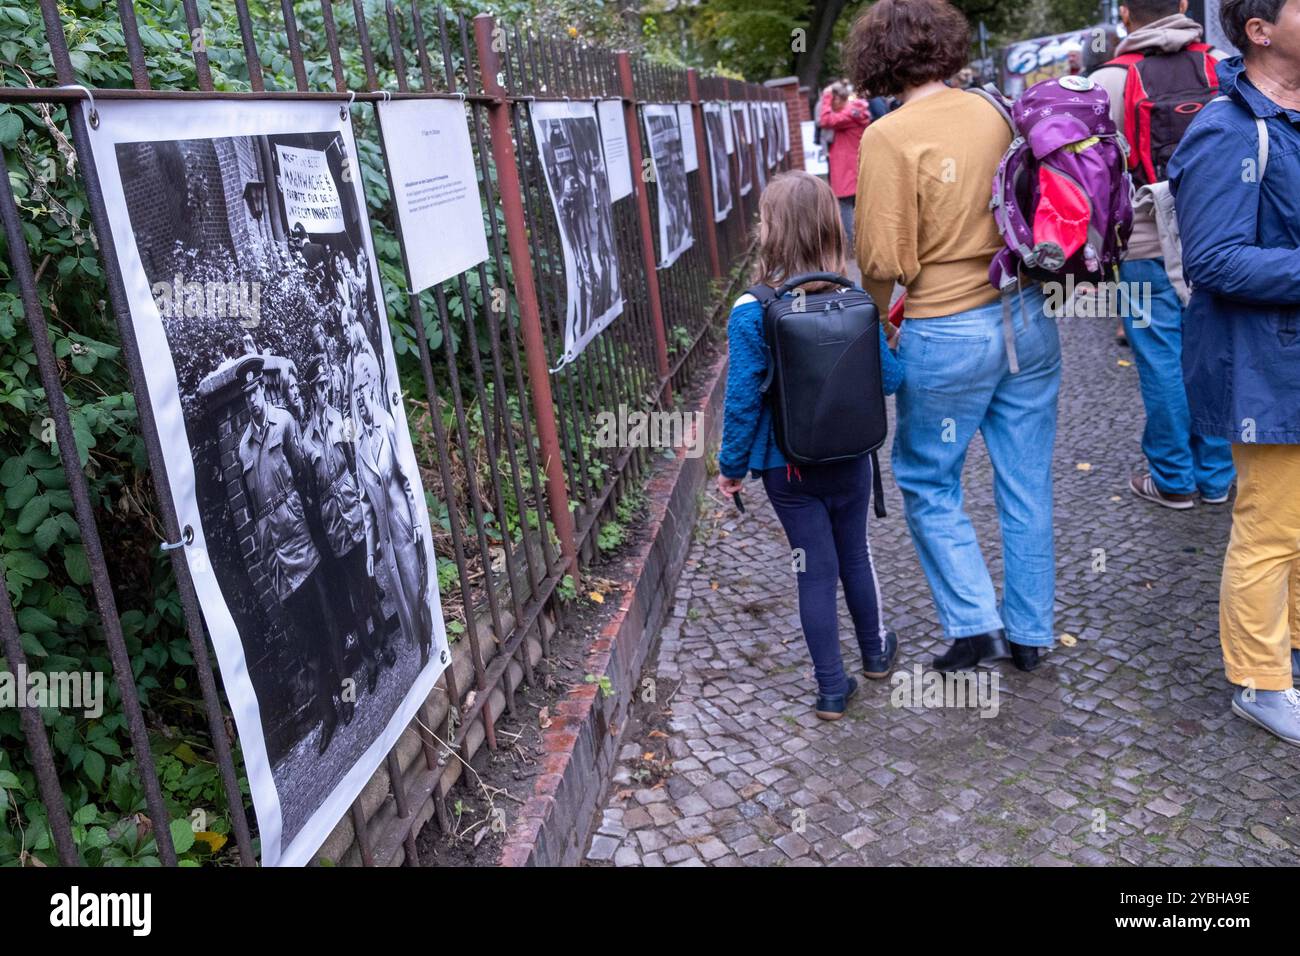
point(582, 742)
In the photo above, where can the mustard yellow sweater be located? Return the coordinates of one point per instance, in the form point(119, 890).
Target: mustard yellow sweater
point(925, 176)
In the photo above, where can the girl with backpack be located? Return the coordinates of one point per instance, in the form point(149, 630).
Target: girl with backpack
point(923, 220)
point(823, 508)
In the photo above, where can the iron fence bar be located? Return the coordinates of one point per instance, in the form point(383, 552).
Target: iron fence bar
point(47, 778)
point(395, 38)
point(363, 38)
point(249, 40)
point(516, 238)
point(131, 40)
point(521, 391)
point(421, 49)
point(332, 44)
point(634, 149)
point(198, 46)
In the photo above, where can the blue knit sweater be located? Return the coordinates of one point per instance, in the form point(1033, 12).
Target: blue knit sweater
point(748, 439)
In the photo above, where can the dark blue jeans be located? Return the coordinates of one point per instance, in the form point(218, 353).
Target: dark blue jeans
point(823, 510)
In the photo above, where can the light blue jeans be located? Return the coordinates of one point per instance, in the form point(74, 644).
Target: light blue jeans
point(1182, 462)
point(958, 381)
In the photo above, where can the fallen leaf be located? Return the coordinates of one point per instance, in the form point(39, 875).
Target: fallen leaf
point(648, 755)
point(544, 718)
point(1084, 466)
point(1115, 498)
point(1068, 640)
point(713, 585)
point(1124, 363)
point(478, 837)
point(215, 841)
point(597, 597)
point(657, 733)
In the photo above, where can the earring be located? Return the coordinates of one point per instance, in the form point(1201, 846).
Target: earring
point(1267, 42)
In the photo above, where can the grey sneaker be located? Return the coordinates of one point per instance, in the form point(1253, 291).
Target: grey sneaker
point(1144, 486)
point(1277, 711)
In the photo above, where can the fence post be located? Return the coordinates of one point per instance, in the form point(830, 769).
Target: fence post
point(510, 194)
point(628, 89)
point(705, 161)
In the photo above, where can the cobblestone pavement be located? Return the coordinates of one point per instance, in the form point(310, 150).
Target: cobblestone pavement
point(1120, 749)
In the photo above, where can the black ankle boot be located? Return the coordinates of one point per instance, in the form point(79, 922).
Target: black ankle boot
point(1026, 658)
point(981, 650)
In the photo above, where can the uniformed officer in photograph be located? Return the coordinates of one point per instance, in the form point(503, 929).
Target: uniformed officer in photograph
point(274, 472)
point(349, 564)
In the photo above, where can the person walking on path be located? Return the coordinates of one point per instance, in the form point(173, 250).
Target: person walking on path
point(1163, 58)
point(927, 168)
point(848, 117)
point(823, 508)
point(1233, 178)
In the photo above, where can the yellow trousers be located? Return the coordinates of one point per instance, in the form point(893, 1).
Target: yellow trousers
point(1259, 598)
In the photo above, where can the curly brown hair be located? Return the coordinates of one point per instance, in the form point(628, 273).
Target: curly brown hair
point(898, 44)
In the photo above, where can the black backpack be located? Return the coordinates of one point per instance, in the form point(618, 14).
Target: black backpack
point(823, 381)
point(1164, 92)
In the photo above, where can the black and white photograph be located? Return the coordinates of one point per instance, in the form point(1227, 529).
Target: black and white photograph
point(715, 120)
point(256, 305)
point(744, 155)
point(758, 146)
point(568, 139)
point(666, 152)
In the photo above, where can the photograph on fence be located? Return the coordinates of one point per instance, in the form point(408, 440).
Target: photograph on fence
point(757, 147)
point(740, 119)
point(435, 188)
point(715, 120)
point(772, 139)
point(246, 258)
point(568, 139)
point(665, 138)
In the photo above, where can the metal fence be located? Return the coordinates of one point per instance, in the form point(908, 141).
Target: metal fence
point(495, 432)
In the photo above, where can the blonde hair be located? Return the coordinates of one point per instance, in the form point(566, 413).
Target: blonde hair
point(799, 229)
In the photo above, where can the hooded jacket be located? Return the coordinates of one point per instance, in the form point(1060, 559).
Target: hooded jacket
point(1241, 253)
point(1166, 35)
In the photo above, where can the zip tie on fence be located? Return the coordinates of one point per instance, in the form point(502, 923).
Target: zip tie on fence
point(346, 108)
point(387, 96)
point(187, 539)
point(461, 95)
point(94, 113)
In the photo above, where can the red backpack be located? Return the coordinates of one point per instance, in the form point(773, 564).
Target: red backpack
point(1162, 96)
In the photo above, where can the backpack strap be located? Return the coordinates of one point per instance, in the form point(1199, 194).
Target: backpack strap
point(765, 294)
point(1261, 127)
point(990, 94)
point(877, 487)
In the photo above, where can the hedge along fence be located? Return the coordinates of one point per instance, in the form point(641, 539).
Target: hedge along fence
point(516, 486)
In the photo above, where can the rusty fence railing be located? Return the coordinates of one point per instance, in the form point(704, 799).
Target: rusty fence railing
point(497, 433)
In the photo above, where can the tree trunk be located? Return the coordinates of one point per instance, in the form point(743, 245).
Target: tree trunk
point(821, 27)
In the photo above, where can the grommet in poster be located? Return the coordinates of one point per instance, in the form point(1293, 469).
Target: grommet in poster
point(93, 116)
point(187, 539)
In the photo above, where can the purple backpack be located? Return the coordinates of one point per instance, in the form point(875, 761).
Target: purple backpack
point(1062, 196)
